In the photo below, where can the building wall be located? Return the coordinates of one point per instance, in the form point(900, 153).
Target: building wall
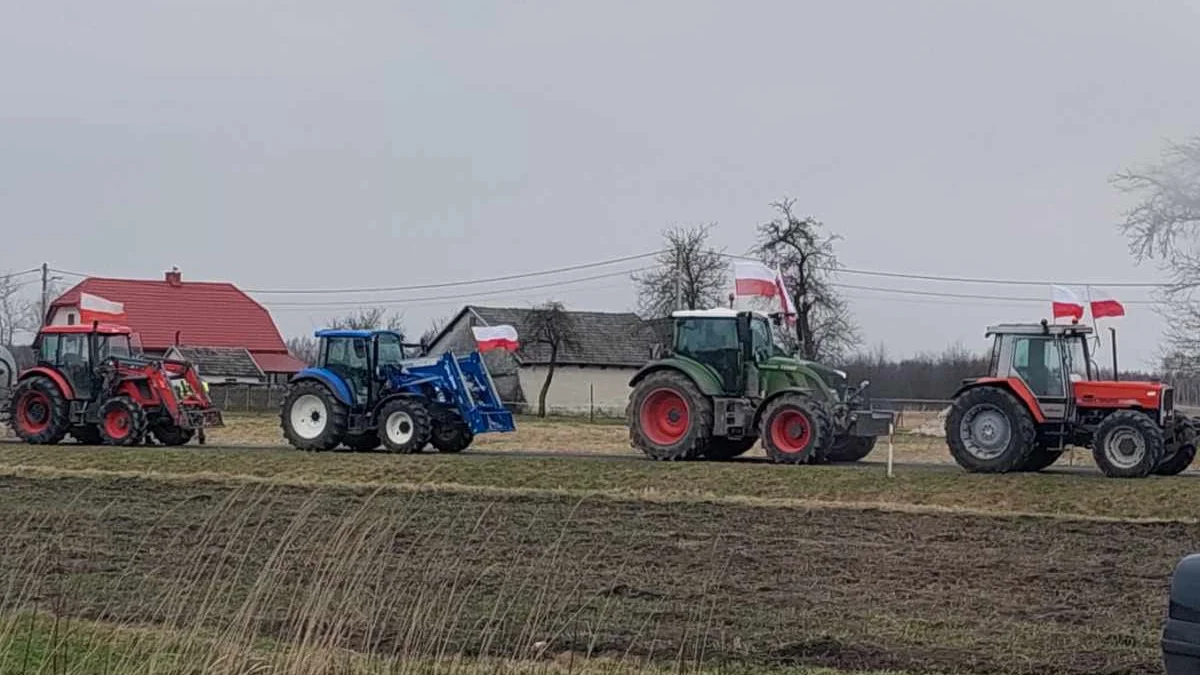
point(576, 389)
point(65, 316)
point(459, 339)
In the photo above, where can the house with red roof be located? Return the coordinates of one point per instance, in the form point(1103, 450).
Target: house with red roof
point(173, 315)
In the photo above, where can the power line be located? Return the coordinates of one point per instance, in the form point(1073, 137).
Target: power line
point(13, 275)
point(967, 296)
point(451, 284)
point(333, 304)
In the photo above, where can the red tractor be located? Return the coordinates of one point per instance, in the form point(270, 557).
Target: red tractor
point(91, 382)
point(1042, 395)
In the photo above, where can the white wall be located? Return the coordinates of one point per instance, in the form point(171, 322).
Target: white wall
point(61, 314)
point(569, 391)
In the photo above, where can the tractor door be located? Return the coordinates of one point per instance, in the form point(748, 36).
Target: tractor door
point(75, 362)
point(348, 358)
point(389, 353)
point(1040, 362)
point(713, 342)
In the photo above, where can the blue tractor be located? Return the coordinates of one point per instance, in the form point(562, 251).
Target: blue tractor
point(369, 388)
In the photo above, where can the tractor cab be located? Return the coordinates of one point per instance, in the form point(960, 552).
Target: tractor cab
point(1048, 358)
point(362, 358)
point(77, 350)
point(733, 344)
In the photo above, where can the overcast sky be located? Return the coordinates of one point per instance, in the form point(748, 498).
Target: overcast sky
point(311, 144)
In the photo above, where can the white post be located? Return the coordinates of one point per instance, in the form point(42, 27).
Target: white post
point(891, 448)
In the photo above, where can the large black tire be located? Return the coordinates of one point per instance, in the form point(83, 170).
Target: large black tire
point(312, 417)
point(1182, 450)
point(451, 433)
point(990, 431)
point(169, 434)
point(122, 421)
point(404, 426)
point(1039, 459)
point(722, 449)
point(38, 411)
point(361, 442)
point(795, 429)
point(851, 448)
point(1128, 444)
point(669, 418)
point(87, 435)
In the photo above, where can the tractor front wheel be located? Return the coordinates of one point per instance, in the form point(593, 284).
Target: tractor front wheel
point(1182, 449)
point(451, 433)
point(1128, 444)
point(669, 417)
point(39, 412)
point(851, 448)
point(404, 426)
point(312, 418)
point(122, 421)
point(795, 430)
point(169, 434)
point(989, 431)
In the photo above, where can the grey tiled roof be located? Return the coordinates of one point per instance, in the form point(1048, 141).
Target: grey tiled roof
point(218, 362)
point(602, 338)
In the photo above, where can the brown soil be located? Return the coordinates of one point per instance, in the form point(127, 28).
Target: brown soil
point(725, 584)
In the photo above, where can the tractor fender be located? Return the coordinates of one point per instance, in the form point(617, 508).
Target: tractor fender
point(704, 378)
point(41, 371)
point(782, 392)
point(1013, 385)
point(328, 378)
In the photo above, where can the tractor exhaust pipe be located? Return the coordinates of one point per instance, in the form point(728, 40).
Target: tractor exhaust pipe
point(1116, 373)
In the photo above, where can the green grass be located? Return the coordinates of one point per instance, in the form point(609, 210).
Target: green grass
point(1056, 494)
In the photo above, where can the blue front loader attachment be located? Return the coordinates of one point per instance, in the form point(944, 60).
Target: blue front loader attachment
point(468, 385)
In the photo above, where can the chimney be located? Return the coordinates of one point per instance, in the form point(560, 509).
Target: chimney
point(174, 277)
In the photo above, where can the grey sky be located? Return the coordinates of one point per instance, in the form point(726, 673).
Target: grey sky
point(316, 144)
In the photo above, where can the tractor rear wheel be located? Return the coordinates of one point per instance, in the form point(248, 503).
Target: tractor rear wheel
point(451, 433)
point(122, 421)
point(404, 426)
point(1128, 444)
point(795, 430)
point(89, 434)
point(361, 442)
point(39, 411)
point(669, 417)
point(722, 449)
point(851, 448)
point(169, 434)
point(312, 418)
point(1039, 459)
point(989, 431)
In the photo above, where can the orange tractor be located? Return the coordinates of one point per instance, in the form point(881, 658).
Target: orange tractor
point(1043, 394)
point(91, 382)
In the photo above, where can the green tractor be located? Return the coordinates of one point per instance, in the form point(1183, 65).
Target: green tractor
point(725, 384)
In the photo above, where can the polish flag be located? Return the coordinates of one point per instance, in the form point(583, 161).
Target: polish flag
point(1065, 303)
point(785, 300)
point(1104, 304)
point(751, 277)
point(95, 308)
point(496, 337)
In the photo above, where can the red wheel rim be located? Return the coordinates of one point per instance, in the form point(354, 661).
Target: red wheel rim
point(117, 423)
point(791, 431)
point(665, 417)
point(33, 413)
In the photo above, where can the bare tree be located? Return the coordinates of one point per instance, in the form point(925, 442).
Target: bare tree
point(305, 348)
point(435, 328)
point(1163, 226)
point(17, 314)
point(804, 255)
point(551, 325)
point(689, 275)
point(373, 318)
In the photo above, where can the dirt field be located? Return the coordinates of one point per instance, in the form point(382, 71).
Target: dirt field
point(431, 573)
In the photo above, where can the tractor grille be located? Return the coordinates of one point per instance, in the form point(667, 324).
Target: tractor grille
point(1168, 401)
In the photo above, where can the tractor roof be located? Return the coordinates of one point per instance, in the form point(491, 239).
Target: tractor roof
point(714, 313)
point(102, 329)
point(1038, 329)
point(353, 333)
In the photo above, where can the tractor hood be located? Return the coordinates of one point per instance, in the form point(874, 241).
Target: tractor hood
point(1144, 394)
point(832, 376)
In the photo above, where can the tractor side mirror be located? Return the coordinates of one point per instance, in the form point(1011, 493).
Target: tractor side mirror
point(1181, 635)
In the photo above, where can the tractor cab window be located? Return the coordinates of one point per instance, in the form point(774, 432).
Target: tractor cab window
point(74, 359)
point(1039, 362)
point(391, 351)
point(713, 342)
point(113, 346)
point(348, 359)
point(48, 350)
point(760, 337)
point(1077, 362)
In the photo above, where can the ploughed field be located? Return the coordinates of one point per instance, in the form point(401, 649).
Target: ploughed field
point(557, 564)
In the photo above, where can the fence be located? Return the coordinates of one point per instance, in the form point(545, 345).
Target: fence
point(247, 397)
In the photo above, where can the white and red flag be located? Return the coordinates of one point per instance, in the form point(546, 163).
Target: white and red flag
point(1064, 302)
point(95, 308)
point(1104, 304)
point(503, 336)
point(751, 277)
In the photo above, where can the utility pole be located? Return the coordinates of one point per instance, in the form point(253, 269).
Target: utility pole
point(45, 293)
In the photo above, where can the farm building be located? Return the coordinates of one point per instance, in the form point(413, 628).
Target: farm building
point(231, 338)
point(592, 373)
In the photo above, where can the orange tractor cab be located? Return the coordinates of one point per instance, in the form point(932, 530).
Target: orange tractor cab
point(91, 382)
point(1043, 393)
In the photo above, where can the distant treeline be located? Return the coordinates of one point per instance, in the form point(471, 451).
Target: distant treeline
point(925, 376)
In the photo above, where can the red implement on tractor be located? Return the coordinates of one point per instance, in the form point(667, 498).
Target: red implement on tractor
point(1043, 393)
point(91, 382)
